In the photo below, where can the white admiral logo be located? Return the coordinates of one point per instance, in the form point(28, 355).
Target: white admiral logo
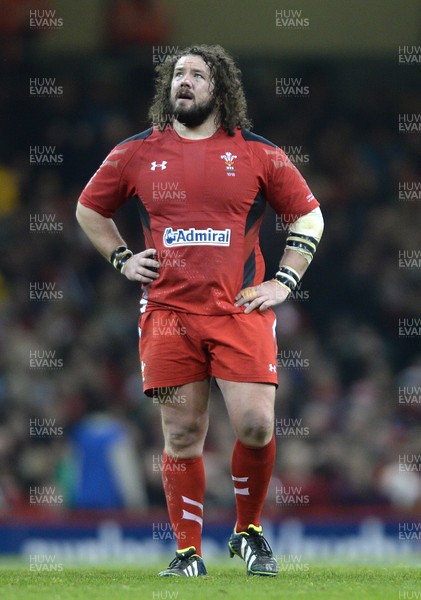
point(196, 237)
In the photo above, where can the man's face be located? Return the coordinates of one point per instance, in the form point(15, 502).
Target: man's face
point(191, 98)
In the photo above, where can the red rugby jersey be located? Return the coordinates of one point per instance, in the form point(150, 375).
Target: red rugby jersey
point(201, 204)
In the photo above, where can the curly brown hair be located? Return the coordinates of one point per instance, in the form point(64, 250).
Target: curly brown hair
point(228, 88)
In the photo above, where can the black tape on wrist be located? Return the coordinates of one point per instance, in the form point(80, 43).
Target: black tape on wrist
point(120, 256)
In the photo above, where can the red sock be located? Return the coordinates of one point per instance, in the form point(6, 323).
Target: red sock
point(184, 486)
point(251, 472)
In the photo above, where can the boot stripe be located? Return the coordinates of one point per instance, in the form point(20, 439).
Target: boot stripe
point(251, 561)
point(245, 550)
point(247, 553)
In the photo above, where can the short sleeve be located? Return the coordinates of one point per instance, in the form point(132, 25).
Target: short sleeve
point(286, 189)
point(107, 189)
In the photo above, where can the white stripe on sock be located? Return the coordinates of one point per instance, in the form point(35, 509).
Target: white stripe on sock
point(239, 478)
point(192, 502)
point(192, 517)
point(242, 491)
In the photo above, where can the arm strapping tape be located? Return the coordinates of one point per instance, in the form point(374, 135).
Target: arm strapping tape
point(305, 234)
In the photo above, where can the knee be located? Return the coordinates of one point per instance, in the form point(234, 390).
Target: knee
point(185, 438)
point(256, 430)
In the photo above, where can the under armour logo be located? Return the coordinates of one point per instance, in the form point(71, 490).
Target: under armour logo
point(272, 368)
point(155, 165)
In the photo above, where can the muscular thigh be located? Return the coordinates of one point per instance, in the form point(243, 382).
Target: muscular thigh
point(251, 409)
point(185, 403)
point(185, 417)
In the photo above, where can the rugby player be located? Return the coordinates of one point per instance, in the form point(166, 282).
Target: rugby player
point(201, 180)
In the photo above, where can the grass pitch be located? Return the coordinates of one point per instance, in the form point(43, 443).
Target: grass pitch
point(223, 582)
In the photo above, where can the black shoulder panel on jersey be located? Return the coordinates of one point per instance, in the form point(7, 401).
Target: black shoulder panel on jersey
point(248, 136)
point(139, 136)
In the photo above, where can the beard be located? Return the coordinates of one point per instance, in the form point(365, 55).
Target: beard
point(194, 115)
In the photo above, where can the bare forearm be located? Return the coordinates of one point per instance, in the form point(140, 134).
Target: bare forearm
point(101, 231)
point(301, 244)
point(104, 235)
point(291, 258)
point(304, 236)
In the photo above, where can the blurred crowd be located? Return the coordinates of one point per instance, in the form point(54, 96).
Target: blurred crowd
point(72, 411)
